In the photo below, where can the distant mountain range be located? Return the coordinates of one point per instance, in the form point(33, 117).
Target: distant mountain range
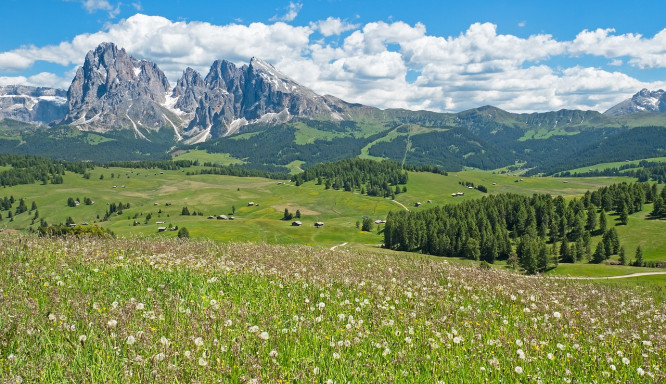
point(122, 108)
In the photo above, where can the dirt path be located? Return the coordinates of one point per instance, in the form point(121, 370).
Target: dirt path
point(339, 245)
point(401, 204)
point(611, 277)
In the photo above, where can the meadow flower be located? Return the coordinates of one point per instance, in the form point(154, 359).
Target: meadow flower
point(111, 323)
point(315, 370)
point(550, 356)
point(321, 306)
point(521, 354)
point(12, 358)
point(625, 360)
point(140, 306)
point(518, 369)
point(263, 335)
point(336, 355)
point(198, 342)
point(253, 329)
point(640, 371)
point(164, 341)
point(188, 354)
point(612, 367)
point(52, 317)
point(457, 339)
point(273, 354)
point(557, 315)
point(130, 340)
point(83, 338)
point(228, 323)
point(202, 362)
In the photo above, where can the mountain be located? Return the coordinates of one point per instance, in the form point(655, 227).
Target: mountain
point(643, 101)
point(230, 97)
point(113, 90)
point(32, 104)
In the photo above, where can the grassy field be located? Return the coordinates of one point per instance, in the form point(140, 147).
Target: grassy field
point(137, 310)
point(204, 156)
point(617, 164)
point(149, 191)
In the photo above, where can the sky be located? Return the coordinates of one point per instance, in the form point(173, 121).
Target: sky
point(446, 56)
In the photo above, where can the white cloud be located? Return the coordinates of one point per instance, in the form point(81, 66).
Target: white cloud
point(43, 79)
point(522, 24)
point(642, 52)
point(477, 67)
point(292, 12)
point(333, 26)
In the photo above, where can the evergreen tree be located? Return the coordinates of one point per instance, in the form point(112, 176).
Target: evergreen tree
point(367, 224)
point(603, 222)
point(624, 214)
point(298, 214)
point(34, 206)
point(527, 254)
point(471, 250)
point(639, 257)
point(542, 257)
point(565, 252)
point(599, 253)
point(591, 218)
point(623, 256)
point(185, 212)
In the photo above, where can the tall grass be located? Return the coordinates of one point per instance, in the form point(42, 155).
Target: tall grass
point(136, 310)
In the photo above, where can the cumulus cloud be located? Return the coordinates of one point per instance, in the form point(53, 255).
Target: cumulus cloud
point(642, 52)
point(370, 65)
point(292, 12)
point(333, 26)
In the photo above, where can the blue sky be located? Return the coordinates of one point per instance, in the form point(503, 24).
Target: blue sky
point(438, 55)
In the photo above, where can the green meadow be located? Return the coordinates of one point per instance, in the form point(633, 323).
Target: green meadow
point(164, 194)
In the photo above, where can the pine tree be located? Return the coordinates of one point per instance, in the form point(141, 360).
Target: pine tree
point(623, 256)
point(591, 218)
point(185, 212)
point(639, 257)
point(298, 214)
point(565, 252)
point(542, 257)
point(527, 254)
point(603, 223)
point(599, 253)
point(624, 214)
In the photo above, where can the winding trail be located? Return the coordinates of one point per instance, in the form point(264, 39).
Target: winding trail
point(339, 245)
point(610, 277)
point(401, 204)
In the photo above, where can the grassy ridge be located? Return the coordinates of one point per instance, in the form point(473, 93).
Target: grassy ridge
point(137, 310)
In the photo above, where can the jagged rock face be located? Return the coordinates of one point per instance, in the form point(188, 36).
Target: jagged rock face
point(115, 90)
point(188, 90)
point(643, 101)
point(32, 104)
point(236, 95)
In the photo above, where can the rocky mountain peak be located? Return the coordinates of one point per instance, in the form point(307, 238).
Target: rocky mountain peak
point(115, 90)
point(643, 101)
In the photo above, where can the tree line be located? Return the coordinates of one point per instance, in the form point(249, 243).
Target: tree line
point(544, 230)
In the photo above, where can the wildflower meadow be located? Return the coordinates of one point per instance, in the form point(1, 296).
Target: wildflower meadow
point(146, 310)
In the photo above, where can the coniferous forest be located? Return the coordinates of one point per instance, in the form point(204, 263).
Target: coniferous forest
point(544, 230)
